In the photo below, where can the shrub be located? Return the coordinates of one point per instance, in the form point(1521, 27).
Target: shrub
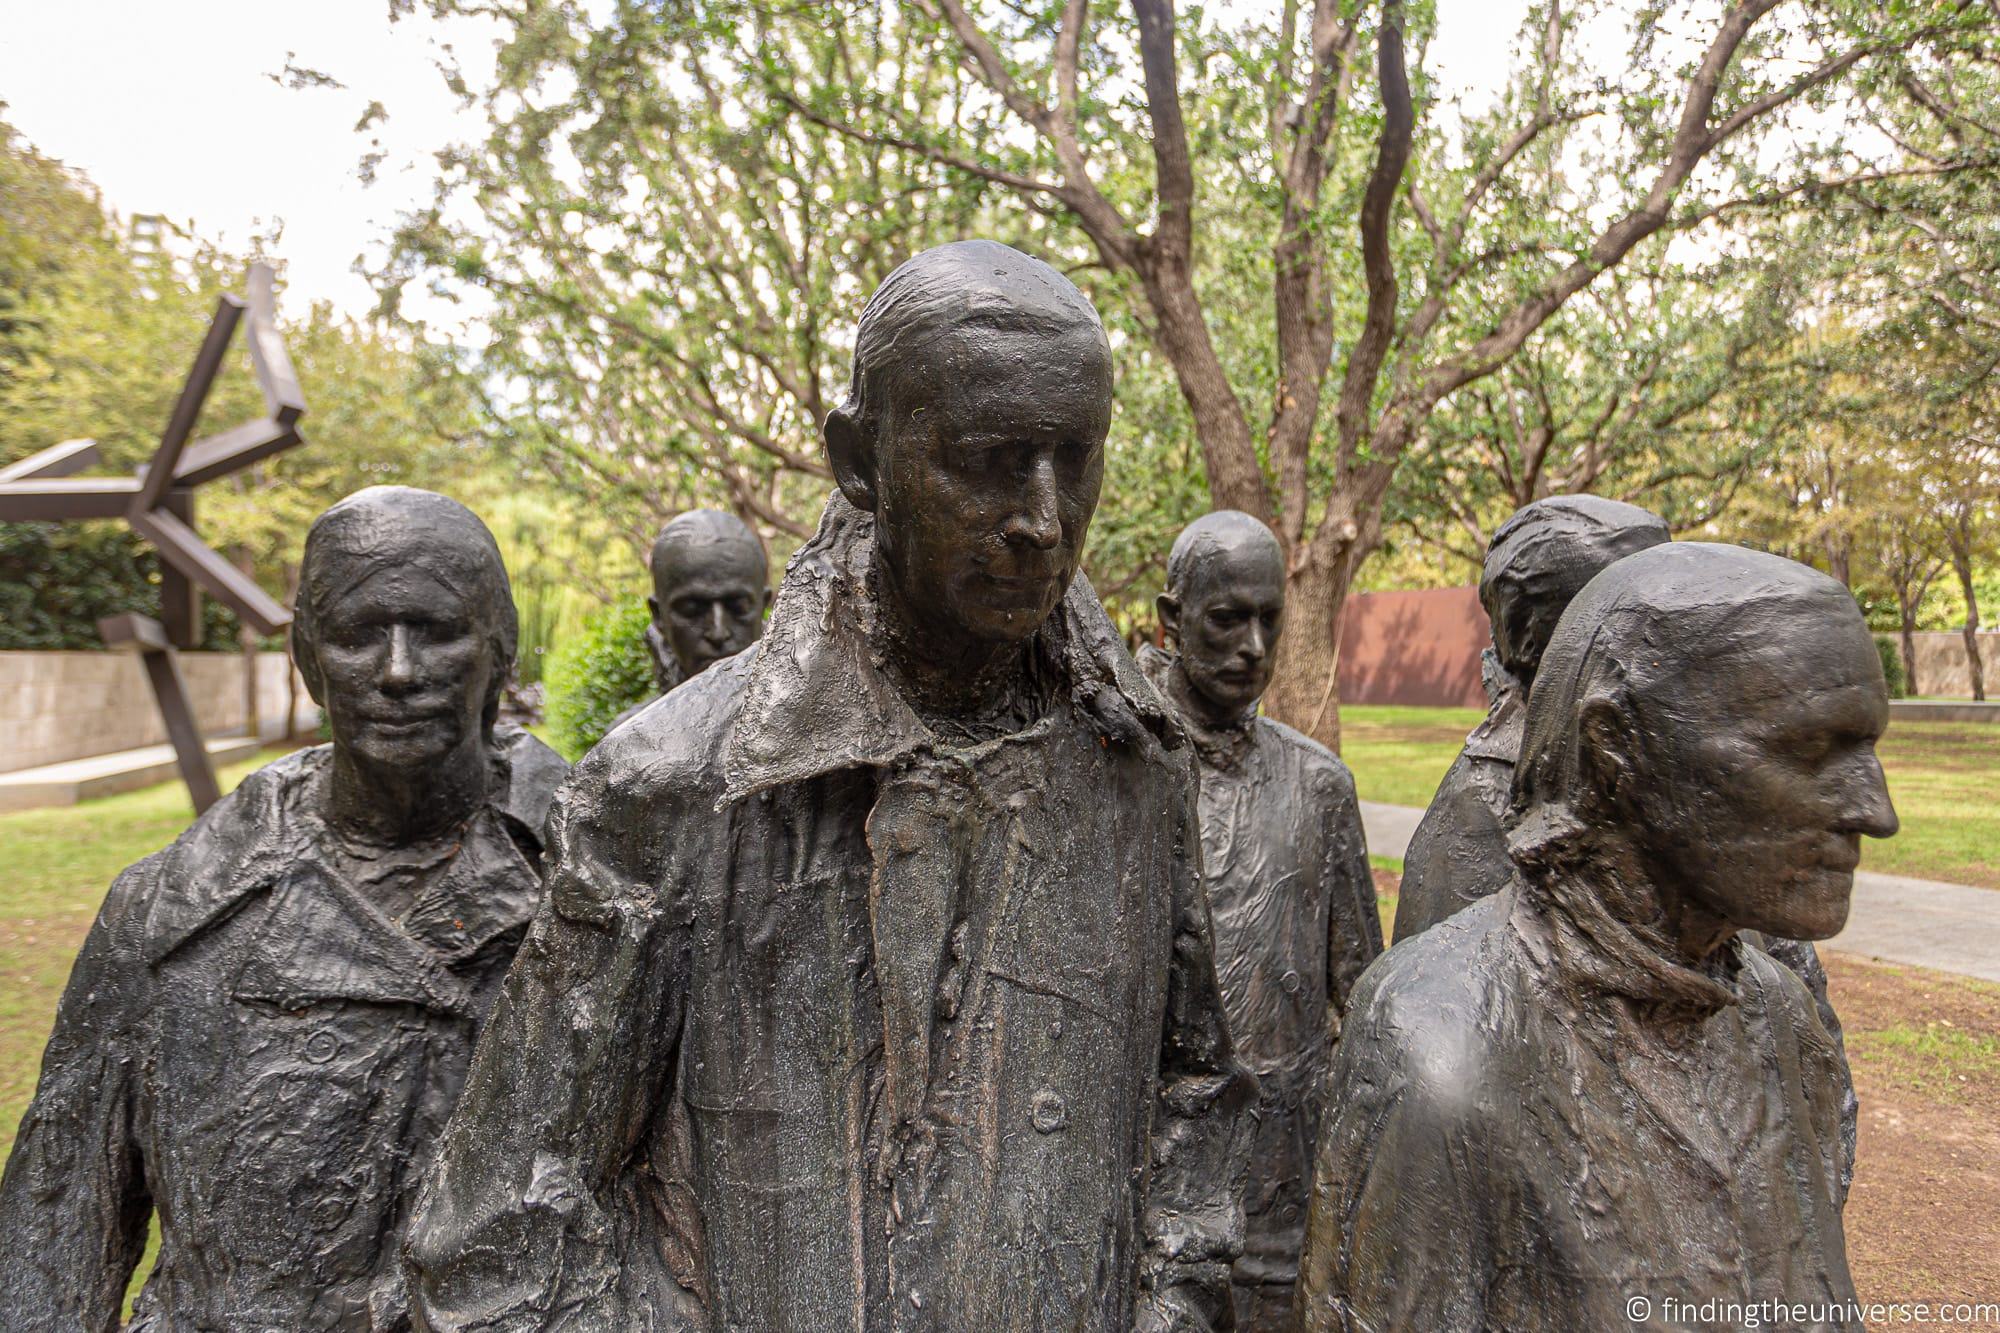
point(1892, 665)
point(595, 675)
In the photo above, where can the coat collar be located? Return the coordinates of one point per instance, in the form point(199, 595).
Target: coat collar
point(817, 701)
point(1222, 747)
point(271, 825)
point(1498, 737)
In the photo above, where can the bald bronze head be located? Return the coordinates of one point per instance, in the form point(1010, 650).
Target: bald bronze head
point(974, 432)
point(1542, 556)
point(1224, 608)
point(1705, 719)
point(711, 585)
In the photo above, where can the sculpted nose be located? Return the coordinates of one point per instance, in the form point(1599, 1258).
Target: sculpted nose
point(717, 629)
point(1035, 520)
point(399, 670)
point(1257, 642)
point(1871, 812)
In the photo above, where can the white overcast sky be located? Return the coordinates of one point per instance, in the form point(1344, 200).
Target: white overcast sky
point(166, 106)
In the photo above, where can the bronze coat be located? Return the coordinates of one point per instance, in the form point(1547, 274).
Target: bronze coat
point(1535, 1118)
point(832, 1025)
point(250, 1048)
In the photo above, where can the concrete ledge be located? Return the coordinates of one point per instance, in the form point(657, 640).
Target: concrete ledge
point(75, 780)
point(1943, 710)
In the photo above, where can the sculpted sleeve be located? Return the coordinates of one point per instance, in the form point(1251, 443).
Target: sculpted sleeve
point(528, 1219)
point(74, 1205)
point(1194, 1206)
point(1458, 854)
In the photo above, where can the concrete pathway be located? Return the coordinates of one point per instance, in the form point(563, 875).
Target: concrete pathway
point(1921, 922)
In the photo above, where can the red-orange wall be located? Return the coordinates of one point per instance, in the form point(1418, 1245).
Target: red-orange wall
point(1414, 648)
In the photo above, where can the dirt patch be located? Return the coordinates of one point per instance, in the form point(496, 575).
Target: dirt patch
point(1923, 1218)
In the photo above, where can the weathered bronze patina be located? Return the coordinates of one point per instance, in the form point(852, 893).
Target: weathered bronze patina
point(1585, 1088)
point(1538, 560)
point(1286, 865)
point(271, 1019)
point(875, 991)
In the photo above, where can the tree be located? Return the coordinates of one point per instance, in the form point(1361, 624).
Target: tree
point(106, 336)
point(671, 269)
point(1097, 114)
point(1665, 385)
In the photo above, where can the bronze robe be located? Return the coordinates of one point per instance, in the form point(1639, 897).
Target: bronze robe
point(834, 1024)
point(1286, 865)
point(249, 1047)
point(1536, 1118)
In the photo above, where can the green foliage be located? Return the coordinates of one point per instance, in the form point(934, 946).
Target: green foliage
point(595, 675)
point(1892, 665)
point(95, 341)
point(56, 583)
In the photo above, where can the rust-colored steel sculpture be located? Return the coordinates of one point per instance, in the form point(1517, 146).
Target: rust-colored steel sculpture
point(158, 502)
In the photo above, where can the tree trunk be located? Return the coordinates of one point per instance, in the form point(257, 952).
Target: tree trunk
point(1305, 692)
point(1962, 564)
point(1910, 650)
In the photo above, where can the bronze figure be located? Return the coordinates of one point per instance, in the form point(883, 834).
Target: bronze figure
point(711, 587)
point(875, 988)
point(1585, 1088)
point(1286, 866)
point(271, 1019)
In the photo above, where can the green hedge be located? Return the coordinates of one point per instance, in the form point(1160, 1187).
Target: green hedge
point(595, 675)
point(1892, 665)
point(57, 580)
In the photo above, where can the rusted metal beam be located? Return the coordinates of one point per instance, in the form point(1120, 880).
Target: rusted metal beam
point(187, 410)
point(62, 499)
point(58, 460)
point(144, 635)
point(180, 547)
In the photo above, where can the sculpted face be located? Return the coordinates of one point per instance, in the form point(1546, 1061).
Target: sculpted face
point(1226, 612)
point(405, 665)
point(1756, 795)
point(710, 588)
point(986, 474)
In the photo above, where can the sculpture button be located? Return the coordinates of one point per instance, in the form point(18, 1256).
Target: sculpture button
point(1047, 1113)
point(322, 1046)
point(1290, 982)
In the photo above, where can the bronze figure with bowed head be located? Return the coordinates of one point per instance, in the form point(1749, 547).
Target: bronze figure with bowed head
point(271, 1019)
point(875, 988)
point(1538, 560)
point(711, 587)
point(1286, 866)
point(1585, 1088)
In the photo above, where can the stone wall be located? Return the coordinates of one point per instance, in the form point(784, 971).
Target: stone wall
point(1942, 664)
point(57, 706)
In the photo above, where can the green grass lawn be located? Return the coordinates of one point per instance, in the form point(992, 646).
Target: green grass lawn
point(1943, 776)
point(57, 865)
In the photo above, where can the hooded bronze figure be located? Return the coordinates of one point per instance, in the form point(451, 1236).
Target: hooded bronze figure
point(270, 1020)
point(875, 989)
point(1538, 560)
point(1286, 866)
point(1585, 1088)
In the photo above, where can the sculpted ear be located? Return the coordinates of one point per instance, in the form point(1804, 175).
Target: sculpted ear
point(850, 452)
point(653, 605)
point(1169, 607)
point(1609, 746)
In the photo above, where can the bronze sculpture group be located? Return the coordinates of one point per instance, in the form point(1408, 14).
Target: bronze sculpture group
point(929, 963)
